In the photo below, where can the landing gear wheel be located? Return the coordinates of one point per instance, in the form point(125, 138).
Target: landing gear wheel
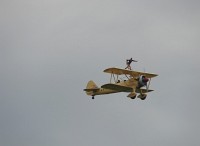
point(143, 97)
point(92, 97)
point(133, 97)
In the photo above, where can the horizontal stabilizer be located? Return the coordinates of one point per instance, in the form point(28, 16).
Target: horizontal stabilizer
point(91, 88)
point(94, 89)
point(118, 88)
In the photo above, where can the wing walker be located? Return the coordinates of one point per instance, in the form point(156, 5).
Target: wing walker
point(136, 83)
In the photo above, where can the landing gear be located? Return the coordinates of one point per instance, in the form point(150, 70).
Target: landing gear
point(133, 97)
point(92, 97)
point(142, 96)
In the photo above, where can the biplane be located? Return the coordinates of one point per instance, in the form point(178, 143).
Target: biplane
point(134, 83)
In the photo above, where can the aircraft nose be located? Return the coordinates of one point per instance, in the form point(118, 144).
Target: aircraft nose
point(145, 80)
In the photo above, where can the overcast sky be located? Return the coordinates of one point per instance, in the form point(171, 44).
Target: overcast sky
point(50, 49)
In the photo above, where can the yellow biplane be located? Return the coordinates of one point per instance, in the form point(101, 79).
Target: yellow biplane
point(134, 83)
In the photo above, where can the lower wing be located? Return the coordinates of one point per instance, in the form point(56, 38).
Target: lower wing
point(117, 88)
point(143, 90)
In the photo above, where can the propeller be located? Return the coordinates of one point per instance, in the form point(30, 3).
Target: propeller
point(143, 81)
point(148, 85)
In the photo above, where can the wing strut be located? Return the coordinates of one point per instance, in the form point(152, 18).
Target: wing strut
point(110, 77)
point(113, 77)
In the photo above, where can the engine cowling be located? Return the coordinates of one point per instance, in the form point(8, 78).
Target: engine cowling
point(142, 81)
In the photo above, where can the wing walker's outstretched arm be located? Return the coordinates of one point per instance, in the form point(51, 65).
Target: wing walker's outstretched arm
point(128, 63)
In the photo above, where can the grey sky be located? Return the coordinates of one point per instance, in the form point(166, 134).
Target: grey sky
point(49, 50)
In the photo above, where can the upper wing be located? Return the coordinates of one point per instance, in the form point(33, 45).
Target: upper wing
point(119, 71)
point(117, 88)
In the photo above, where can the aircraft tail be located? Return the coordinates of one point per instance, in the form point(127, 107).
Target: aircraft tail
point(91, 87)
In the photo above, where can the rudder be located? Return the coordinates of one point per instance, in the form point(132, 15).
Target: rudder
point(92, 86)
